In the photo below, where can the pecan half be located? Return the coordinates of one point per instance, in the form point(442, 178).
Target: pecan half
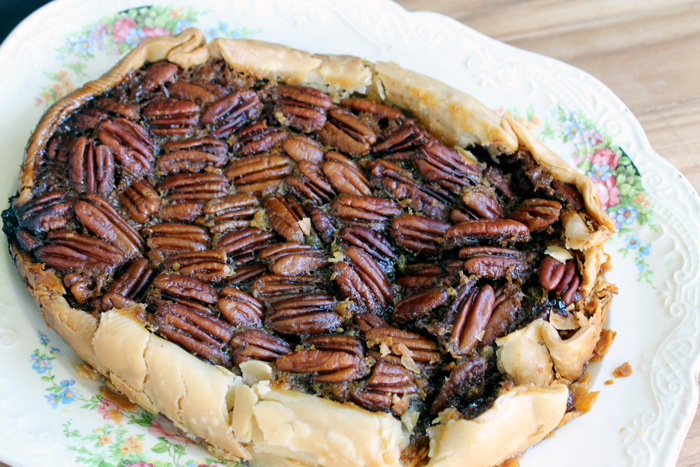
point(156, 75)
point(91, 169)
point(494, 262)
point(474, 315)
point(272, 288)
point(26, 241)
point(338, 343)
point(448, 168)
point(537, 213)
point(562, 278)
point(364, 282)
point(47, 212)
point(258, 137)
point(172, 238)
point(328, 366)
point(171, 117)
point(310, 314)
point(119, 108)
point(310, 184)
point(418, 305)
point(131, 144)
point(209, 325)
point(300, 107)
point(189, 161)
point(365, 210)
point(191, 92)
point(259, 174)
point(186, 287)
point(496, 230)
point(254, 344)
point(239, 308)
point(417, 233)
point(300, 148)
point(346, 132)
point(194, 187)
point(103, 220)
point(345, 175)
point(230, 213)
point(88, 119)
point(366, 321)
point(204, 144)
point(69, 251)
point(189, 211)
point(505, 309)
point(232, 112)
point(370, 241)
point(245, 273)
point(292, 259)
point(468, 373)
point(131, 284)
point(285, 213)
point(482, 203)
point(568, 193)
point(395, 180)
point(323, 224)
point(405, 343)
point(242, 245)
point(406, 137)
point(140, 200)
point(501, 182)
point(386, 381)
point(422, 276)
point(205, 265)
point(379, 110)
point(81, 286)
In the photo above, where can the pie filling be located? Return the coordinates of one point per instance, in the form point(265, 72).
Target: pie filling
point(341, 242)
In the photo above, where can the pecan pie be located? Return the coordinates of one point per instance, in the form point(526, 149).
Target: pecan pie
point(311, 259)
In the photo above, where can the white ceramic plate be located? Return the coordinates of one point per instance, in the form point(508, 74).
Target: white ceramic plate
point(50, 416)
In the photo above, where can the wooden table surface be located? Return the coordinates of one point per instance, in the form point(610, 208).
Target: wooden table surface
point(646, 51)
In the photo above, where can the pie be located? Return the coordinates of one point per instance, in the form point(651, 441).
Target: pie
point(312, 259)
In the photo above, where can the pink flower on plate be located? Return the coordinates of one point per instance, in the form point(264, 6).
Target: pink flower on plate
point(604, 156)
point(121, 27)
point(140, 464)
point(153, 32)
point(158, 430)
point(109, 410)
point(607, 191)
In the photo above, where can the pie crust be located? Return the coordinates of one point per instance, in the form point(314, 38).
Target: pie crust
point(244, 417)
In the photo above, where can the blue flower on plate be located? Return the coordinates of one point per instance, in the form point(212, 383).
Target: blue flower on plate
point(181, 26)
point(571, 129)
point(134, 37)
point(67, 395)
point(53, 399)
point(43, 338)
point(55, 350)
point(592, 136)
point(645, 250)
point(641, 267)
point(41, 364)
point(633, 242)
point(600, 172)
point(625, 215)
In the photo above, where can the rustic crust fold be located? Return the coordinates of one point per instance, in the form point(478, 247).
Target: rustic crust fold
point(244, 417)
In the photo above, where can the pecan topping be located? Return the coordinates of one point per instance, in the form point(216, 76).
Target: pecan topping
point(387, 380)
point(206, 144)
point(300, 148)
point(69, 251)
point(91, 169)
point(131, 144)
point(230, 213)
point(104, 221)
point(568, 193)
point(537, 213)
point(369, 210)
point(322, 223)
point(562, 278)
point(345, 175)
point(186, 287)
point(310, 314)
point(439, 164)
point(366, 321)
point(188, 211)
point(417, 233)
point(497, 230)
point(259, 174)
point(258, 137)
point(232, 112)
point(421, 276)
point(406, 137)
point(474, 315)
point(119, 108)
point(26, 241)
point(171, 117)
point(47, 212)
point(156, 75)
point(243, 274)
point(432, 201)
point(194, 187)
point(468, 373)
point(239, 308)
point(140, 200)
point(405, 343)
point(213, 326)
point(131, 284)
point(330, 367)
point(254, 344)
point(273, 288)
point(370, 241)
point(481, 203)
point(298, 107)
point(191, 92)
point(364, 282)
point(418, 305)
point(292, 259)
point(379, 110)
point(171, 238)
point(189, 161)
point(88, 119)
point(285, 213)
point(505, 309)
point(338, 343)
point(494, 262)
point(501, 182)
point(81, 286)
point(346, 132)
point(205, 265)
point(310, 184)
point(242, 245)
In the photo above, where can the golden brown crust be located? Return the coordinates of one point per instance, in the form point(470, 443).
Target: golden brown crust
point(243, 413)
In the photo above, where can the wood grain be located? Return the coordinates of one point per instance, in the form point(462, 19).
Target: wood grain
point(646, 51)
